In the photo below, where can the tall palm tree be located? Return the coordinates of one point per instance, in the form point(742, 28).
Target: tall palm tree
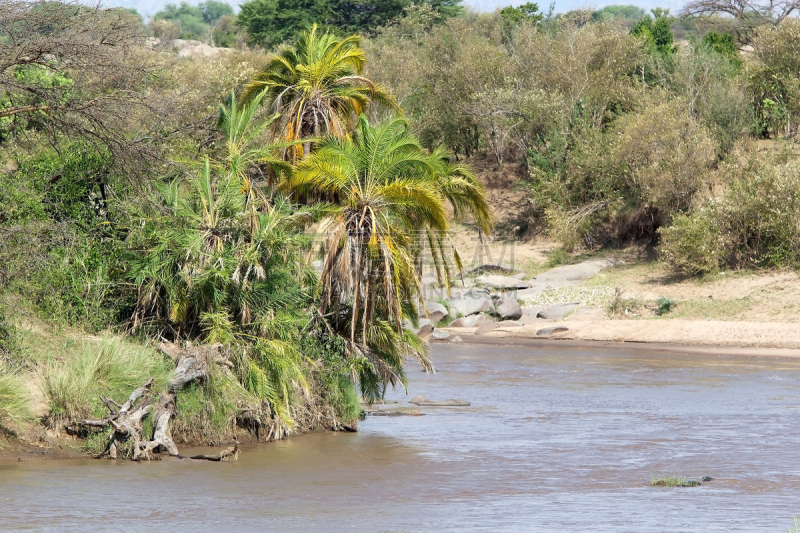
point(317, 87)
point(390, 192)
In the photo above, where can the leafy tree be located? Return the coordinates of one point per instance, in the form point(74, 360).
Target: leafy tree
point(213, 11)
point(390, 191)
point(656, 31)
point(317, 87)
point(624, 12)
point(225, 264)
point(189, 18)
point(515, 16)
point(66, 68)
point(724, 44)
point(748, 14)
point(272, 22)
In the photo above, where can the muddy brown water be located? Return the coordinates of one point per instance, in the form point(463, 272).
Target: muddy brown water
point(560, 439)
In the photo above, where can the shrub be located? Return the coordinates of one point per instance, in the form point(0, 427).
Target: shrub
point(693, 244)
point(754, 221)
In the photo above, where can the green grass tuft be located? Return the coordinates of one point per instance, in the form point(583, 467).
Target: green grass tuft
point(111, 368)
point(664, 305)
point(15, 402)
point(677, 481)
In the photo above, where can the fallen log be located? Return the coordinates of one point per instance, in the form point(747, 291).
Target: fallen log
point(229, 454)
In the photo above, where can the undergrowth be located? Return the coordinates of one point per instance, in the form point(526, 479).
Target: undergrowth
point(111, 367)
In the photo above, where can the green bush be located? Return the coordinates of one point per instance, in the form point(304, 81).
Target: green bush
point(693, 244)
point(754, 221)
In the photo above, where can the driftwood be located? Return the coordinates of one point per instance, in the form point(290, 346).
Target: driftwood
point(229, 454)
point(192, 363)
point(126, 419)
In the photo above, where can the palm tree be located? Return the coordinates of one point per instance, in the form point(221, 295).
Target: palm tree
point(390, 192)
point(317, 87)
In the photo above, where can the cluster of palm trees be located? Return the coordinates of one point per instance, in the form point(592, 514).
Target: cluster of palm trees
point(303, 172)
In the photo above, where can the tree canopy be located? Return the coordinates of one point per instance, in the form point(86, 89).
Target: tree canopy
point(272, 22)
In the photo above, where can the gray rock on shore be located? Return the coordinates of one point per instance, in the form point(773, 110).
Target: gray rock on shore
point(472, 321)
point(508, 308)
point(471, 302)
point(436, 311)
point(558, 311)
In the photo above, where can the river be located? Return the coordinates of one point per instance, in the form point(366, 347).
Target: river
point(558, 438)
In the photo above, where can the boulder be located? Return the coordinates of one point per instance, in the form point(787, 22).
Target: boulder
point(545, 332)
point(510, 324)
point(438, 335)
point(486, 328)
point(558, 311)
point(436, 311)
point(470, 302)
point(508, 308)
point(472, 321)
point(424, 330)
point(495, 281)
point(455, 339)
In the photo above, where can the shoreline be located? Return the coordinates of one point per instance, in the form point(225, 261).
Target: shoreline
point(565, 341)
point(62, 449)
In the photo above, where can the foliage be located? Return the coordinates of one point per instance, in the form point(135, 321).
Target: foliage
point(664, 305)
point(273, 22)
point(15, 402)
point(110, 367)
point(60, 221)
point(193, 22)
point(626, 12)
point(391, 194)
point(656, 31)
point(775, 83)
point(753, 222)
point(317, 87)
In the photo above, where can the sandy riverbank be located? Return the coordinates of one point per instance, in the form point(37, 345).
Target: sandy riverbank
point(500, 338)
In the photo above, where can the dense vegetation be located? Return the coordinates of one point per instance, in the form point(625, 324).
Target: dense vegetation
point(181, 199)
point(200, 226)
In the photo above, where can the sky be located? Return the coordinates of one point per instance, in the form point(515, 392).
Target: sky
point(151, 7)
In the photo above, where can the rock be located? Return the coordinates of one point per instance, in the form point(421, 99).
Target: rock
point(510, 324)
point(438, 335)
point(567, 275)
point(496, 269)
point(192, 48)
point(455, 339)
point(486, 328)
point(519, 275)
point(558, 311)
point(425, 402)
point(544, 332)
point(472, 321)
point(436, 311)
point(508, 308)
point(423, 331)
point(495, 281)
point(471, 302)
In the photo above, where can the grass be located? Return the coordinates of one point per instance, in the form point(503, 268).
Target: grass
point(664, 305)
point(677, 481)
point(15, 402)
point(111, 367)
point(796, 527)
